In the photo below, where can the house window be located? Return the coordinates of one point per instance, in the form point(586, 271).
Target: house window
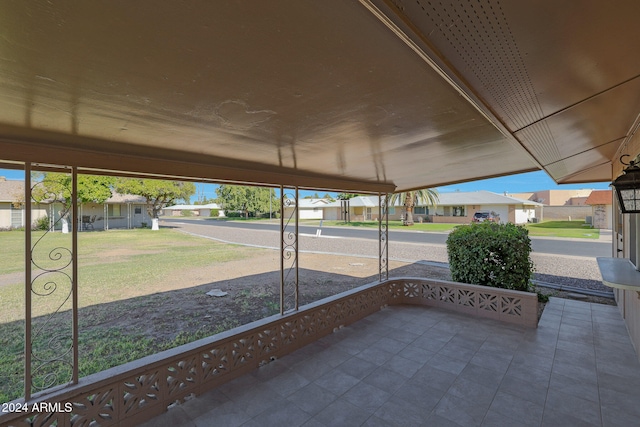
point(421, 210)
point(16, 216)
point(458, 211)
point(113, 210)
point(391, 210)
point(138, 210)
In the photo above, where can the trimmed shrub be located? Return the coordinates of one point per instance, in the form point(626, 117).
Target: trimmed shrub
point(214, 213)
point(491, 254)
point(41, 223)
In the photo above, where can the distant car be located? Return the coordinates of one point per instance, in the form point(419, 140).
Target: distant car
point(482, 216)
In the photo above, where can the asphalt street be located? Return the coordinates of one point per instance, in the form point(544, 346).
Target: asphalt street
point(570, 247)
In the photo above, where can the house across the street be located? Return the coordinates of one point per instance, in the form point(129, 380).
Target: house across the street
point(195, 210)
point(119, 211)
point(456, 207)
point(11, 206)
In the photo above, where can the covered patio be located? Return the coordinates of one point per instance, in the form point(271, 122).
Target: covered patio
point(410, 366)
point(369, 96)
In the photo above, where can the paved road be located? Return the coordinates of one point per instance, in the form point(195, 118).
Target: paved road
point(540, 245)
point(566, 270)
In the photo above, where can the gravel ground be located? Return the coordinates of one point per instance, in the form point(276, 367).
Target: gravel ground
point(574, 271)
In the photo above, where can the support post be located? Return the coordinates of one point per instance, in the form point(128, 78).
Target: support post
point(27, 282)
point(74, 275)
point(282, 206)
point(289, 277)
point(383, 237)
point(51, 277)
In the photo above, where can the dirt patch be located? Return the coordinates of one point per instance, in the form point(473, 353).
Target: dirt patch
point(180, 305)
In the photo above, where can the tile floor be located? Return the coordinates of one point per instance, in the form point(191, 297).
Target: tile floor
point(410, 366)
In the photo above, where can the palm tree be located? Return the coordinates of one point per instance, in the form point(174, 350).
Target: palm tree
point(425, 196)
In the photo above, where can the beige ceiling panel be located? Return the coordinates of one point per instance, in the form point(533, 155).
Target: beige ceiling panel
point(592, 174)
point(314, 88)
point(597, 125)
point(530, 59)
point(587, 160)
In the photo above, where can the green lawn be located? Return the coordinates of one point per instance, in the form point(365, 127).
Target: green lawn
point(119, 263)
point(134, 268)
point(427, 226)
point(573, 229)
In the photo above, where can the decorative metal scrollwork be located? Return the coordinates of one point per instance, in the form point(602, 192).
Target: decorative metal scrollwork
point(383, 236)
point(288, 251)
point(51, 284)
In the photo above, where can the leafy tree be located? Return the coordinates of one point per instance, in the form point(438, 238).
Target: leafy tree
point(346, 196)
point(204, 201)
point(250, 200)
point(159, 193)
point(57, 186)
point(425, 196)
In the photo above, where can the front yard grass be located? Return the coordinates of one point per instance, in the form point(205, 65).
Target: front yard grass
point(425, 226)
point(124, 276)
point(570, 229)
point(112, 266)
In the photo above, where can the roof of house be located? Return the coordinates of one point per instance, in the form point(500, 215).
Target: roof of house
point(355, 202)
point(125, 198)
point(600, 197)
point(11, 191)
point(457, 198)
point(312, 203)
point(480, 198)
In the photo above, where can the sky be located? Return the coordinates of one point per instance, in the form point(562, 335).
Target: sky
point(520, 183)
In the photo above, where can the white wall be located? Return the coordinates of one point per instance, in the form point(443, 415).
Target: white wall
point(523, 215)
point(501, 210)
point(38, 211)
point(315, 213)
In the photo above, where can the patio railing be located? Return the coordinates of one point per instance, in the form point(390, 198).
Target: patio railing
point(132, 393)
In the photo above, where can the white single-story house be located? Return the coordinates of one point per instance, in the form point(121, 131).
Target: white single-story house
point(313, 208)
point(601, 202)
point(119, 211)
point(459, 207)
point(11, 208)
point(359, 208)
point(195, 210)
point(455, 207)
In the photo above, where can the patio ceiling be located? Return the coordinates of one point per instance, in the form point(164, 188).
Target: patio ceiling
point(370, 96)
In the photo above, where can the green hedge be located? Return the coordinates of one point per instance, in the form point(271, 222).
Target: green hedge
point(491, 254)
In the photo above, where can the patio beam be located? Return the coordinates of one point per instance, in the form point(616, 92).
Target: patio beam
point(98, 157)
